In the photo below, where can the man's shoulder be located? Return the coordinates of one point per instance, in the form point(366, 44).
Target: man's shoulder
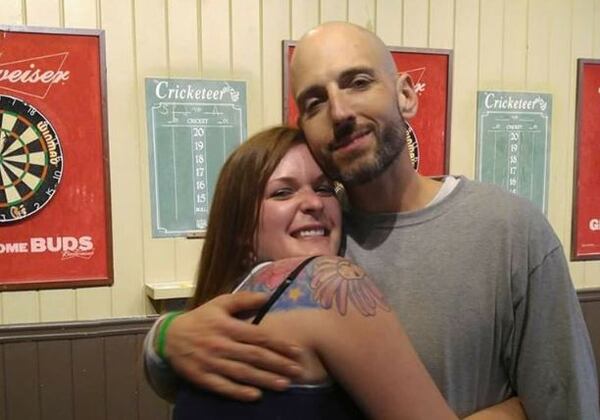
point(497, 200)
point(517, 215)
point(485, 189)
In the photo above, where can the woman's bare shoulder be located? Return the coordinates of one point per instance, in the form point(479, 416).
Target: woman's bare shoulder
point(326, 282)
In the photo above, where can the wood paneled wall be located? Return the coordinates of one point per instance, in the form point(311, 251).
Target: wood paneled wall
point(88, 370)
point(498, 44)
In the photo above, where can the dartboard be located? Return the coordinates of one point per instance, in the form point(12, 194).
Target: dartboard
point(31, 160)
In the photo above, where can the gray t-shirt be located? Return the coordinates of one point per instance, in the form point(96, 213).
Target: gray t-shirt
point(480, 282)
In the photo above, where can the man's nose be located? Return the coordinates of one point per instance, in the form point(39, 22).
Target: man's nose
point(339, 108)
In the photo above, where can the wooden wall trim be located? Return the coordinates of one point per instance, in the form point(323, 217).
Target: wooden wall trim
point(589, 295)
point(77, 329)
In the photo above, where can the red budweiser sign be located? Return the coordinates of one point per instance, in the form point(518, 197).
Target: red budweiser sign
point(34, 76)
point(54, 188)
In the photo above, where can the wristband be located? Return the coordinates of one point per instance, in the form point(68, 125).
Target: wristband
point(162, 333)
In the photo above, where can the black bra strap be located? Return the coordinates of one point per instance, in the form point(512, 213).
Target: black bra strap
point(280, 289)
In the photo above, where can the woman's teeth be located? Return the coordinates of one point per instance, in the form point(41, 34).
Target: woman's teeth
point(311, 232)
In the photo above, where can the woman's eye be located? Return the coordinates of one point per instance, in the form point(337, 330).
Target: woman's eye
point(281, 193)
point(326, 190)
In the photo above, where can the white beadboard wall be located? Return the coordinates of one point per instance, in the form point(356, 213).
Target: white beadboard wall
point(527, 45)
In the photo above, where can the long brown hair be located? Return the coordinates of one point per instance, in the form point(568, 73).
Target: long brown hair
point(234, 215)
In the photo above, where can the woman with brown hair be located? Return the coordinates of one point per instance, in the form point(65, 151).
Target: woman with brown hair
point(273, 203)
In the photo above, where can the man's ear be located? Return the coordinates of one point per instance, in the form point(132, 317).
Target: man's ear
point(408, 101)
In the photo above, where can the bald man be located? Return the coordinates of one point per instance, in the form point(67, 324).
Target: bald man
point(476, 275)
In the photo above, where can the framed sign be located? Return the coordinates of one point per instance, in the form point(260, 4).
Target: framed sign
point(429, 130)
point(585, 230)
point(55, 225)
point(513, 142)
point(193, 126)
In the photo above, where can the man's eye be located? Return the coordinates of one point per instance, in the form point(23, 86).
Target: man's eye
point(360, 82)
point(310, 105)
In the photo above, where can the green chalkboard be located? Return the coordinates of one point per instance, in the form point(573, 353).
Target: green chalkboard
point(513, 142)
point(193, 126)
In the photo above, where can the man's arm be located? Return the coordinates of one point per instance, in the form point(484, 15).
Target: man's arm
point(552, 364)
point(211, 348)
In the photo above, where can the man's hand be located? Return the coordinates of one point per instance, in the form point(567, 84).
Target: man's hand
point(220, 353)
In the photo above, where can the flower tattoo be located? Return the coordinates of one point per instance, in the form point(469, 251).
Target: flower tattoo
point(342, 281)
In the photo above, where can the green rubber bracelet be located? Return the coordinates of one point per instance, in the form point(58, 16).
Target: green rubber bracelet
point(162, 333)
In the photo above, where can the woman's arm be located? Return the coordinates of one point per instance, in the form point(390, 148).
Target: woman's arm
point(367, 350)
point(333, 308)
